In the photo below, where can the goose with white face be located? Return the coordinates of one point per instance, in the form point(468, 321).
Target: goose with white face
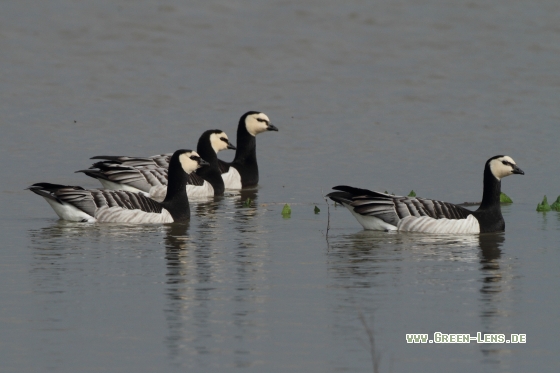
point(381, 211)
point(191, 161)
point(219, 141)
point(503, 166)
point(75, 203)
point(257, 123)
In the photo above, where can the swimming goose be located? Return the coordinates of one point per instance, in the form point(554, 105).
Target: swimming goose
point(149, 175)
point(78, 204)
point(381, 211)
point(243, 171)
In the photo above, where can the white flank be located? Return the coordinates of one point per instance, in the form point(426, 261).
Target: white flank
point(427, 224)
point(120, 215)
point(158, 193)
point(69, 212)
point(200, 191)
point(118, 186)
point(232, 179)
point(370, 222)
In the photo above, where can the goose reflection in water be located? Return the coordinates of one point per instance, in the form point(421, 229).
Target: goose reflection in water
point(494, 278)
point(177, 257)
point(367, 253)
point(490, 253)
point(359, 254)
point(212, 279)
point(496, 295)
point(376, 269)
point(56, 248)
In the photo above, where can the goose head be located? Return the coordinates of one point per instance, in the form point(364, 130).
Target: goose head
point(219, 141)
point(502, 165)
point(256, 123)
point(191, 161)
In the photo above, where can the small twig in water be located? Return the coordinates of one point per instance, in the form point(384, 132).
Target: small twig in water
point(375, 358)
point(328, 215)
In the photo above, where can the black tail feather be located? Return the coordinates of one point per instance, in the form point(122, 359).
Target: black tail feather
point(47, 190)
point(108, 157)
point(96, 174)
point(362, 192)
point(340, 197)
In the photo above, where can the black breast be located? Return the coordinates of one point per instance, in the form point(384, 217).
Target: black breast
point(490, 220)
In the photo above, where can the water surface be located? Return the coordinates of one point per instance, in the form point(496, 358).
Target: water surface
point(390, 95)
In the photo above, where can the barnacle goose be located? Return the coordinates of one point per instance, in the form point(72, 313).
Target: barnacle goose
point(78, 204)
point(149, 175)
point(143, 174)
point(381, 211)
point(243, 171)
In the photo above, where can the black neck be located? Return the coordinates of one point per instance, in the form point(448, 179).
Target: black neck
point(246, 146)
point(210, 173)
point(491, 193)
point(245, 161)
point(176, 200)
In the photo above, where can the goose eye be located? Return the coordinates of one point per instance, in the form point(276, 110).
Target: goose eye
point(194, 158)
point(224, 139)
point(505, 162)
point(260, 120)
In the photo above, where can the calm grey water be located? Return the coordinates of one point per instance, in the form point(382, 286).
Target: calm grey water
point(390, 95)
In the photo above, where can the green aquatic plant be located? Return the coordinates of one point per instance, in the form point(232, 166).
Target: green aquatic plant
point(504, 198)
point(543, 206)
point(556, 204)
point(317, 210)
point(286, 211)
point(412, 194)
point(247, 202)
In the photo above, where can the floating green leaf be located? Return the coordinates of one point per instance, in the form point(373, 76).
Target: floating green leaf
point(556, 205)
point(247, 202)
point(412, 194)
point(543, 206)
point(317, 210)
point(504, 198)
point(286, 211)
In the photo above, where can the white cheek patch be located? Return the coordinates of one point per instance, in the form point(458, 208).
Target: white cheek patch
point(508, 158)
point(187, 163)
point(254, 127)
point(217, 143)
point(500, 170)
